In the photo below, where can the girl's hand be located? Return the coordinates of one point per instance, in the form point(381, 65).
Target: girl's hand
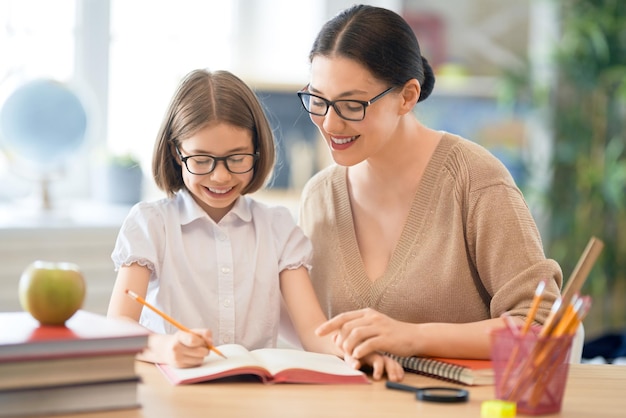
point(380, 365)
point(182, 349)
point(366, 331)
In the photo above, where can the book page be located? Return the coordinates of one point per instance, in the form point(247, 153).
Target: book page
point(238, 361)
point(271, 365)
point(276, 360)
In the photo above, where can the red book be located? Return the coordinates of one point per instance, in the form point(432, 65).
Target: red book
point(85, 333)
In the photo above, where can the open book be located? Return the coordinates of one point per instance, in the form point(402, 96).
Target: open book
point(270, 365)
point(467, 372)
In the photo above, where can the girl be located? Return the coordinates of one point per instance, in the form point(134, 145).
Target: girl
point(211, 257)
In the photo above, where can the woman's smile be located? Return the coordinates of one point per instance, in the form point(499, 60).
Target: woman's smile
point(341, 140)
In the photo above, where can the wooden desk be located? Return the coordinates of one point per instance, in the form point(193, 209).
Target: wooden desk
point(592, 391)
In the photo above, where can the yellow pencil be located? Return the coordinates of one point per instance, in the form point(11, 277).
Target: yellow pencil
point(168, 318)
point(535, 306)
point(527, 324)
point(570, 317)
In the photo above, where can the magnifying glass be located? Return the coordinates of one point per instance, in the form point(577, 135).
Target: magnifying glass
point(439, 394)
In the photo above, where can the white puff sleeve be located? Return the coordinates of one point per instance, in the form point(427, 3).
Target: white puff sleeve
point(140, 239)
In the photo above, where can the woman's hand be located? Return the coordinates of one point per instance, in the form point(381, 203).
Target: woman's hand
point(380, 365)
point(366, 331)
point(182, 349)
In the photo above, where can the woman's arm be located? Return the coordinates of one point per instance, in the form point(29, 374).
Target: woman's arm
point(367, 331)
point(182, 349)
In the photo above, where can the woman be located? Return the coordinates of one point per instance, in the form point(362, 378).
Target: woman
point(421, 238)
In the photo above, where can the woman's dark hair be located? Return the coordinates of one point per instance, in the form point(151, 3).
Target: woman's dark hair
point(204, 98)
point(379, 39)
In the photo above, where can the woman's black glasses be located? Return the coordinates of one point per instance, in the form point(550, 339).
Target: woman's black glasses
point(352, 110)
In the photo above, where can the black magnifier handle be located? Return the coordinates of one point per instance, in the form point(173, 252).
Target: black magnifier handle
point(400, 386)
point(433, 394)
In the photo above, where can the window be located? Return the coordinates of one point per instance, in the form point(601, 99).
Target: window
point(148, 57)
point(128, 56)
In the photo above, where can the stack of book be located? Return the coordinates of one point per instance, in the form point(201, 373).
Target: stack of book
point(86, 365)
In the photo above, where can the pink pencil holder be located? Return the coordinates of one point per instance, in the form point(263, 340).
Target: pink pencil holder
point(530, 370)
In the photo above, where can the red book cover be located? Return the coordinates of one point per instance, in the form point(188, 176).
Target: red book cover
point(85, 333)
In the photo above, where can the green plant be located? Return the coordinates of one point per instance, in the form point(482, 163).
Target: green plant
point(123, 160)
point(588, 193)
point(586, 112)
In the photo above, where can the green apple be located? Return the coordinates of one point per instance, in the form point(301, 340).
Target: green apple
point(52, 292)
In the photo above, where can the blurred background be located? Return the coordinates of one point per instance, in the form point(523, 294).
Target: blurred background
point(538, 82)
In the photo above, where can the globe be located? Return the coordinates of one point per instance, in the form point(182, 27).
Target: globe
point(44, 122)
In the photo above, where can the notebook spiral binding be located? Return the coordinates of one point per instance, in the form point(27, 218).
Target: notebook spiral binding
point(430, 367)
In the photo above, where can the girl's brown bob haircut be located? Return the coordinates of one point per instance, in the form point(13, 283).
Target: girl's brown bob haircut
point(205, 98)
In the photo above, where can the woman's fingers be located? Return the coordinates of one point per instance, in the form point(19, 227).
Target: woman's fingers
point(382, 365)
point(359, 333)
point(336, 323)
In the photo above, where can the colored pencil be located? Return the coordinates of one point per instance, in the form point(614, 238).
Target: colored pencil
point(565, 317)
point(168, 318)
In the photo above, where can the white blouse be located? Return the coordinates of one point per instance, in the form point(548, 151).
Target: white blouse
point(220, 276)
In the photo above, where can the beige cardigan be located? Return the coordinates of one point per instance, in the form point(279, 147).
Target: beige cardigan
point(469, 251)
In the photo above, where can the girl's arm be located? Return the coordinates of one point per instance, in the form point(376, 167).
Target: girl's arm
point(307, 315)
point(181, 349)
point(305, 311)
point(134, 278)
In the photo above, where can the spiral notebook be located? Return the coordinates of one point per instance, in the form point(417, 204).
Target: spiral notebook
point(467, 372)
